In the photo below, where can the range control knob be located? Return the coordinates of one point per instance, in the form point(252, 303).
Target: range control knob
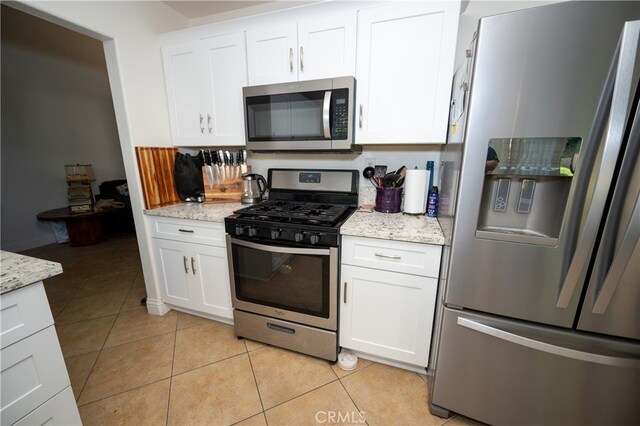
point(239, 230)
point(252, 232)
point(299, 237)
point(314, 238)
point(275, 233)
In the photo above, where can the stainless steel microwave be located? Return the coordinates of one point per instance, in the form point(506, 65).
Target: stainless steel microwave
point(314, 115)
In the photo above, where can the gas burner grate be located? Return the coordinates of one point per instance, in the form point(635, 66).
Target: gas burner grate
point(300, 212)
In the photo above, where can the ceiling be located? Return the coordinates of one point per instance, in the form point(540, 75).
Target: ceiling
point(198, 9)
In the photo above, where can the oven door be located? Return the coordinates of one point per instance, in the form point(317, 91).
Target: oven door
point(288, 283)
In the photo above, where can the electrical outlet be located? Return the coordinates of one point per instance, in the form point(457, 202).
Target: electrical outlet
point(369, 162)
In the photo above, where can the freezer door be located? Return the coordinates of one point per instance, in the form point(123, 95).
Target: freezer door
point(612, 300)
point(523, 374)
point(533, 89)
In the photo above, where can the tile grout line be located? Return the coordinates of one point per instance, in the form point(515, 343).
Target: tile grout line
point(255, 380)
point(173, 363)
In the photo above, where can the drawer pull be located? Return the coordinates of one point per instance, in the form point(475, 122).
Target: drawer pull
point(388, 256)
point(187, 231)
point(280, 328)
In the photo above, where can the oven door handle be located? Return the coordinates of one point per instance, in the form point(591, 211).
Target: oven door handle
point(279, 249)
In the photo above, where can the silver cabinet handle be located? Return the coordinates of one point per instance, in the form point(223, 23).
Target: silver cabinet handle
point(301, 59)
point(291, 59)
point(209, 122)
point(193, 266)
point(184, 262)
point(186, 231)
point(360, 117)
point(547, 347)
point(344, 296)
point(201, 124)
point(388, 256)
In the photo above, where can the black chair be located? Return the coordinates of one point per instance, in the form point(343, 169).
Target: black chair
point(114, 190)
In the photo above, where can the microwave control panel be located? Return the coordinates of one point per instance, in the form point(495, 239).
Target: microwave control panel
point(340, 115)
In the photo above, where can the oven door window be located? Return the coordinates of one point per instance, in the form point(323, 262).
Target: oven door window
point(287, 117)
point(293, 282)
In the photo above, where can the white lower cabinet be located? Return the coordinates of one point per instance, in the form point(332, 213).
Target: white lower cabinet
point(383, 312)
point(193, 275)
point(33, 374)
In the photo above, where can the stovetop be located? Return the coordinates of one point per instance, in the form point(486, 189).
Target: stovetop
point(325, 214)
point(305, 208)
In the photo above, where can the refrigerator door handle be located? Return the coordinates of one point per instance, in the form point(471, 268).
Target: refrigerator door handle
point(628, 246)
point(549, 348)
point(621, 101)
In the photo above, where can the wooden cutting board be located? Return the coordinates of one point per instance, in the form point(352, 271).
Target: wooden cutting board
point(158, 186)
point(156, 173)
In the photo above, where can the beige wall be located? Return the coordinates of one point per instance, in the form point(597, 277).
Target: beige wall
point(130, 32)
point(56, 110)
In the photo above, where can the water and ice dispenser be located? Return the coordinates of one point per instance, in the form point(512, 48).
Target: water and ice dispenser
point(524, 197)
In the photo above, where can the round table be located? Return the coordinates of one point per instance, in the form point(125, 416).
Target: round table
point(83, 228)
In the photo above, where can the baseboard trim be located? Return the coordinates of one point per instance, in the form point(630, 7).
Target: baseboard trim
point(392, 363)
point(157, 307)
point(26, 245)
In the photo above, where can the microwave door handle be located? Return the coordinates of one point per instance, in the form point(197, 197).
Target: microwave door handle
point(326, 108)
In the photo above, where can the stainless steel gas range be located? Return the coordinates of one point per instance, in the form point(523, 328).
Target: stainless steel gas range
point(284, 260)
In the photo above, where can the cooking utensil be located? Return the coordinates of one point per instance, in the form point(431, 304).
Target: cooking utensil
point(214, 166)
point(220, 154)
point(206, 156)
point(243, 166)
point(380, 171)
point(369, 173)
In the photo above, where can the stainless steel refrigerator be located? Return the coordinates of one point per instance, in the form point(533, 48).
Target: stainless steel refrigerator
point(539, 321)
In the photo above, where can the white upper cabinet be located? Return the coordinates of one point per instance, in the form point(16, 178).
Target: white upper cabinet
point(327, 47)
point(304, 50)
point(272, 54)
point(404, 69)
point(204, 80)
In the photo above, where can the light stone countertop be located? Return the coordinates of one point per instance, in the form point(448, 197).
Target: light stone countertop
point(386, 226)
point(19, 271)
point(210, 212)
point(394, 226)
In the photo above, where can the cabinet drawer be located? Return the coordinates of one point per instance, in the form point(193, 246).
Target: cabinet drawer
point(23, 312)
point(33, 370)
point(60, 410)
point(398, 256)
point(190, 231)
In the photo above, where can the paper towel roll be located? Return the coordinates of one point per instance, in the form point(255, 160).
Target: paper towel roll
point(415, 191)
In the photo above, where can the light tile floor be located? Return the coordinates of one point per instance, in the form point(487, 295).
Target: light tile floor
point(131, 368)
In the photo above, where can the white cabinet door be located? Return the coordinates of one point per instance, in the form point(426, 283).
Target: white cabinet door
point(327, 46)
point(225, 66)
point(174, 269)
point(404, 68)
point(33, 370)
point(387, 314)
point(212, 280)
point(193, 276)
point(183, 84)
point(204, 81)
point(61, 410)
point(272, 55)
point(309, 49)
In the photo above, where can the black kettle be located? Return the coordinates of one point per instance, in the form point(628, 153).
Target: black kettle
point(253, 188)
